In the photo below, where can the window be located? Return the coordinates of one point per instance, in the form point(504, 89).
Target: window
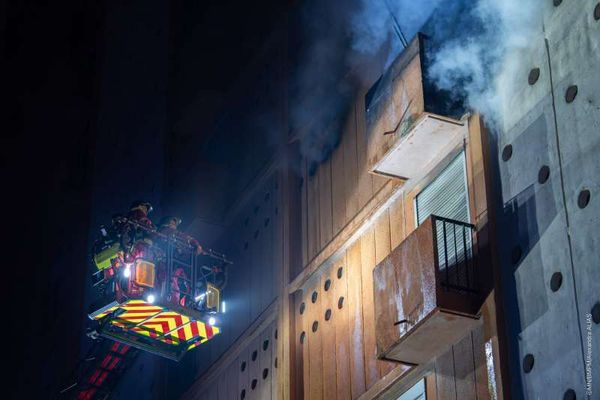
point(447, 196)
point(416, 392)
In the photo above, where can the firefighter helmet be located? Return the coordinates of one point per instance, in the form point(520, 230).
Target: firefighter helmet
point(137, 204)
point(166, 221)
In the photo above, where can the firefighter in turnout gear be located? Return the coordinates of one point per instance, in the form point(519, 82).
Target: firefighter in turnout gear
point(169, 226)
point(133, 234)
point(139, 211)
point(180, 284)
point(138, 240)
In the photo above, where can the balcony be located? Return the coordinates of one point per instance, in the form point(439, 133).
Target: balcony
point(411, 125)
point(427, 292)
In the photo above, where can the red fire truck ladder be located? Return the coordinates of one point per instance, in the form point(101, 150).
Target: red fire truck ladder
point(96, 375)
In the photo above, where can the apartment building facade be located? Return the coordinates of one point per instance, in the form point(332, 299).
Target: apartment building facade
point(426, 256)
point(313, 241)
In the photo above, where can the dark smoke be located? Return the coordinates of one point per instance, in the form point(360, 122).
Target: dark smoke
point(320, 92)
point(342, 39)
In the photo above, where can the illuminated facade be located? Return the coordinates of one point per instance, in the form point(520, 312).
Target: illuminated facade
point(426, 255)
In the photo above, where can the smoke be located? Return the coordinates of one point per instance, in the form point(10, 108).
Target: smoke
point(373, 24)
point(321, 91)
point(349, 43)
point(477, 50)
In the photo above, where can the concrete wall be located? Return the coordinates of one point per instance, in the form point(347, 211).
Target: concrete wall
point(254, 246)
point(253, 242)
point(545, 235)
point(251, 375)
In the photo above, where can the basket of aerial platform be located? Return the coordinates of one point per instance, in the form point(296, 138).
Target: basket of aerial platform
point(160, 291)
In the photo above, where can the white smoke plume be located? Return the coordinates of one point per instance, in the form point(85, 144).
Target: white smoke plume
point(474, 42)
point(472, 63)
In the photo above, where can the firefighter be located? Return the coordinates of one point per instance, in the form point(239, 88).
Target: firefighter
point(180, 284)
point(137, 238)
point(169, 226)
point(139, 211)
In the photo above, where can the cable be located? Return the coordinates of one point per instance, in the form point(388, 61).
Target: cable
point(396, 25)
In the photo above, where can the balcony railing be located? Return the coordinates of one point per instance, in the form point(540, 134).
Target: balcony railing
point(454, 255)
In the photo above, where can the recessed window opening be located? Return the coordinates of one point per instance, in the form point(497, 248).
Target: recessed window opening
point(417, 392)
point(447, 197)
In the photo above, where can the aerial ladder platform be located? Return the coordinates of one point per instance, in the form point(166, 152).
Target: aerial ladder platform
point(167, 300)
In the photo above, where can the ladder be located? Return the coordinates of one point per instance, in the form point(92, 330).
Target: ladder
point(97, 374)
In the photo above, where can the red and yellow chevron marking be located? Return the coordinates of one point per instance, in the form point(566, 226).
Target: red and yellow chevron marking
point(198, 343)
point(157, 322)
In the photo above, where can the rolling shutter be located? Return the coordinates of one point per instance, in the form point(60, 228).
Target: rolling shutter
point(446, 196)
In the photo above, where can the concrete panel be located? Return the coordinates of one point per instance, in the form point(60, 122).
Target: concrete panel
point(533, 145)
point(574, 41)
point(534, 222)
point(573, 38)
point(548, 320)
point(514, 79)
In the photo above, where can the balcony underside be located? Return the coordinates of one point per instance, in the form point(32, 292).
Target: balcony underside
point(434, 334)
point(422, 147)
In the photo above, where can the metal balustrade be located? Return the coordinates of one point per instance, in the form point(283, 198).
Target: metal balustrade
point(454, 254)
